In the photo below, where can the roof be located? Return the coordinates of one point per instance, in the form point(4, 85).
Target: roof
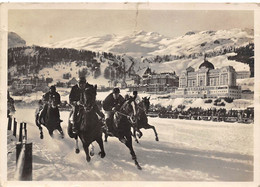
point(207, 64)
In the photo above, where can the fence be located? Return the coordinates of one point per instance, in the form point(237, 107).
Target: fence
point(23, 151)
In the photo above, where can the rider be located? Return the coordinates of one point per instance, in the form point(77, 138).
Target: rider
point(51, 94)
point(112, 103)
point(136, 97)
point(75, 98)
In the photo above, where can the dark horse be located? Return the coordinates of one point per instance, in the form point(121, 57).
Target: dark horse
point(124, 119)
point(51, 120)
point(89, 124)
point(142, 120)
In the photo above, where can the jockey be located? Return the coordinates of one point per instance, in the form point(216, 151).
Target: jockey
point(75, 99)
point(136, 97)
point(112, 103)
point(51, 94)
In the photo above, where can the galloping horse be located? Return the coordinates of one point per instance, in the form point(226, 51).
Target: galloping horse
point(89, 125)
point(142, 121)
point(124, 119)
point(51, 120)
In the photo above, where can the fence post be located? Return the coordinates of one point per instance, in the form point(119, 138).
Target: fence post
point(15, 127)
point(25, 130)
point(21, 133)
point(9, 123)
point(26, 174)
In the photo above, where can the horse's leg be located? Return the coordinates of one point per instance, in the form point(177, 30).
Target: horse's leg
point(41, 133)
point(60, 131)
point(51, 133)
point(152, 127)
point(100, 143)
point(85, 146)
point(105, 137)
point(77, 145)
point(130, 147)
point(140, 134)
point(134, 135)
point(39, 126)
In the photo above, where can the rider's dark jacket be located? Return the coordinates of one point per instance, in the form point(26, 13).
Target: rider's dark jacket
point(56, 96)
point(76, 93)
point(110, 102)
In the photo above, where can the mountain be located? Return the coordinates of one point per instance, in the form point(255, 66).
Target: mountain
point(144, 43)
point(14, 40)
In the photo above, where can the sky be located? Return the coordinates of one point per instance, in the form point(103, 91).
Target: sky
point(39, 27)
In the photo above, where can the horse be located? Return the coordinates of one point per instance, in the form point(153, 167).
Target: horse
point(89, 124)
point(124, 119)
point(51, 120)
point(142, 120)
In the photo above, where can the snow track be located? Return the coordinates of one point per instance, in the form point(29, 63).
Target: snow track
point(187, 151)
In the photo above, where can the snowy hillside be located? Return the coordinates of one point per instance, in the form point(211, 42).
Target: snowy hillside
point(14, 40)
point(151, 43)
point(56, 72)
point(179, 65)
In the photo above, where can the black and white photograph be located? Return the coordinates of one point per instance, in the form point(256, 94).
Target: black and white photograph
point(129, 92)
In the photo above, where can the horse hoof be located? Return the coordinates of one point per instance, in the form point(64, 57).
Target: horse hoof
point(77, 151)
point(157, 139)
point(41, 136)
point(139, 167)
point(102, 154)
point(88, 159)
point(105, 140)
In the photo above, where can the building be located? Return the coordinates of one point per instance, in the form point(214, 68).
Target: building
point(156, 83)
point(243, 74)
point(208, 82)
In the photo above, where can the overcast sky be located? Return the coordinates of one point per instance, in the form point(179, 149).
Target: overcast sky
point(46, 26)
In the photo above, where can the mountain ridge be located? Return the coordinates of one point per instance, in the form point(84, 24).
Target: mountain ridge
point(143, 43)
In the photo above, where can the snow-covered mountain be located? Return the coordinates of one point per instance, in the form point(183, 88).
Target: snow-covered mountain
point(151, 43)
point(14, 40)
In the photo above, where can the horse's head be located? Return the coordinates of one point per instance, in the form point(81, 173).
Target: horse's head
point(89, 97)
point(146, 103)
point(53, 102)
point(130, 109)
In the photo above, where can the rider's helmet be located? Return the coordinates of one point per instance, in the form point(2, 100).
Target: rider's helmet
point(52, 89)
point(135, 93)
point(116, 90)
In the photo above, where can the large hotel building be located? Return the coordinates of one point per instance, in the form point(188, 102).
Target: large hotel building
point(208, 82)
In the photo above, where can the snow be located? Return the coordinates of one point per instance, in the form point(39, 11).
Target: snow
point(180, 65)
point(246, 84)
point(187, 151)
point(144, 43)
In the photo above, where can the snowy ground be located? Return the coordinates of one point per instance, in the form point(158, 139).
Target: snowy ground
point(187, 151)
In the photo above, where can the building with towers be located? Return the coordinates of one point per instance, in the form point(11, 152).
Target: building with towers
point(208, 82)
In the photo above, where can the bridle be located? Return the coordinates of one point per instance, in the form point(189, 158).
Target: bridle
point(129, 117)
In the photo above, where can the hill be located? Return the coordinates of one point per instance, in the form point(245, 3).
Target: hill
point(14, 40)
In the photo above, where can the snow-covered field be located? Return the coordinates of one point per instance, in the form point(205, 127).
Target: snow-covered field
point(187, 151)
